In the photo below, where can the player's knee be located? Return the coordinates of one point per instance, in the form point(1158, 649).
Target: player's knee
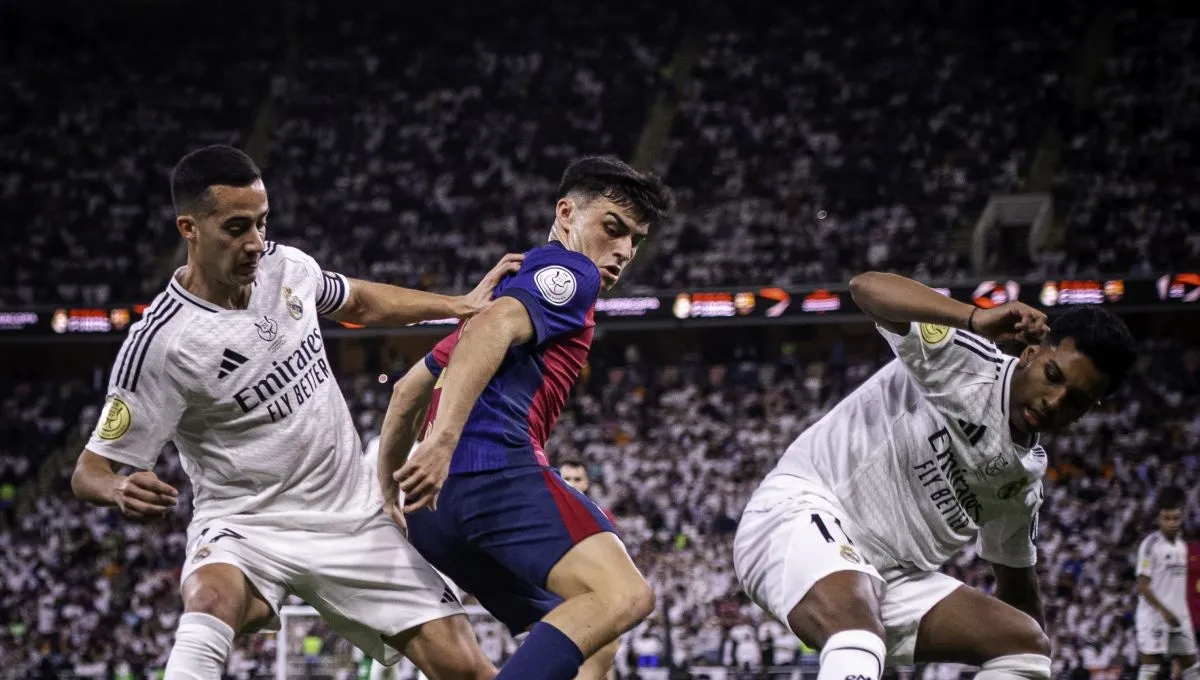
point(1016, 667)
point(204, 597)
point(841, 601)
point(1028, 638)
point(633, 603)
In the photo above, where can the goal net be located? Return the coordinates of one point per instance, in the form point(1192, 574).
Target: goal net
point(306, 647)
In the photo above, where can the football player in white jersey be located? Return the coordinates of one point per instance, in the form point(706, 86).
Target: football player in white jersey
point(1162, 621)
point(843, 539)
point(229, 363)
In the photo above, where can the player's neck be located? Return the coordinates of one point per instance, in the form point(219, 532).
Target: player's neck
point(194, 281)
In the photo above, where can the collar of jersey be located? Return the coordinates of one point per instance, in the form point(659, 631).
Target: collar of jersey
point(174, 288)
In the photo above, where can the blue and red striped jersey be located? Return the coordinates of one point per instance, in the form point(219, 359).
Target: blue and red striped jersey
point(511, 421)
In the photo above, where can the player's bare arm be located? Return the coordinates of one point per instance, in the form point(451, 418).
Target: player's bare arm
point(405, 413)
point(1018, 586)
point(379, 304)
point(1143, 589)
point(894, 302)
point(140, 495)
point(480, 350)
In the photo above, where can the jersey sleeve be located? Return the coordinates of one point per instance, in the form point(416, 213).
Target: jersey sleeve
point(144, 404)
point(1145, 557)
point(942, 359)
point(1009, 540)
point(558, 293)
point(332, 290)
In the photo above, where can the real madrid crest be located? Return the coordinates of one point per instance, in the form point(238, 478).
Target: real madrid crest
point(294, 307)
point(849, 555)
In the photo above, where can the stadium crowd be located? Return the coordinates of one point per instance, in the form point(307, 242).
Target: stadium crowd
point(91, 124)
point(674, 451)
point(1129, 162)
point(414, 143)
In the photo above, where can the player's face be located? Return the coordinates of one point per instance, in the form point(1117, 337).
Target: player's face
point(603, 231)
point(1170, 521)
point(576, 477)
point(229, 238)
point(1055, 386)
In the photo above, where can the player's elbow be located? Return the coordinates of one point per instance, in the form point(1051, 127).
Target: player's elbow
point(79, 477)
point(862, 285)
point(413, 389)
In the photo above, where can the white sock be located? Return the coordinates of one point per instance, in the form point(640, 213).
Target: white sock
point(1016, 667)
point(1191, 672)
point(202, 644)
point(852, 655)
point(1148, 671)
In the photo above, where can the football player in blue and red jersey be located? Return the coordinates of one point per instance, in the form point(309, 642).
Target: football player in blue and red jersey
point(480, 499)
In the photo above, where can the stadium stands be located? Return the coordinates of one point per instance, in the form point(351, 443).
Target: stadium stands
point(414, 144)
point(92, 122)
point(1129, 163)
point(675, 452)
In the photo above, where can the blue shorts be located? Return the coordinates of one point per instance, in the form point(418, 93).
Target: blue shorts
point(498, 533)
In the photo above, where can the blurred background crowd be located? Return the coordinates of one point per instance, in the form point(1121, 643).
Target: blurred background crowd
point(414, 144)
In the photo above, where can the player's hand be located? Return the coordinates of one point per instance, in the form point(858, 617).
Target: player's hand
point(477, 300)
point(143, 496)
point(1011, 322)
point(422, 476)
point(393, 506)
point(1171, 619)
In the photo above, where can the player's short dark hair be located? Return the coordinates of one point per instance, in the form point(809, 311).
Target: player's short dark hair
point(643, 194)
point(1171, 498)
point(573, 462)
point(1100, 336)
point(217, 165)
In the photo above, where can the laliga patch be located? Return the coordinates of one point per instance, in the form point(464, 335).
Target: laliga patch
point(556, 284)
point(115, 420)
point(933, 333)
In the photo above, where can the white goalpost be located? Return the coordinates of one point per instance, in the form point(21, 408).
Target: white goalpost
point(335, 657)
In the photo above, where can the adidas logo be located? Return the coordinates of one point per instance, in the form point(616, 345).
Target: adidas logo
point(230, 362)
point(448, 596)
point(974, 432)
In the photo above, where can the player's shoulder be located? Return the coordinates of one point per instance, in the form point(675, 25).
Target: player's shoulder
point(154, 340)
point(560, 276)
point(1151, 541)
point(276, 254)
point(554, 253)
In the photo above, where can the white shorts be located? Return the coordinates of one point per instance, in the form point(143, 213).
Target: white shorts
point(1155, 637)
point(785, 544)
point(367, 584)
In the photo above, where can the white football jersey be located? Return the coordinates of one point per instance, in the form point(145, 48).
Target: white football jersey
point(921, 458)
point(1166, 563)
point(248, 398)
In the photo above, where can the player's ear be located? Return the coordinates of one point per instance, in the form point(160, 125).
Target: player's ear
point(1027, 355)
point(187, 227)
point(564, 215)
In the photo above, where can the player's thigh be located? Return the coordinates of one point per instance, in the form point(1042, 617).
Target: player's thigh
point(545, 532)
point(1152, 637)
point(967, 626)
point(444, 649)
point(371, 585)
point(796, 558)
point(232, 573)
point(1181, 644)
